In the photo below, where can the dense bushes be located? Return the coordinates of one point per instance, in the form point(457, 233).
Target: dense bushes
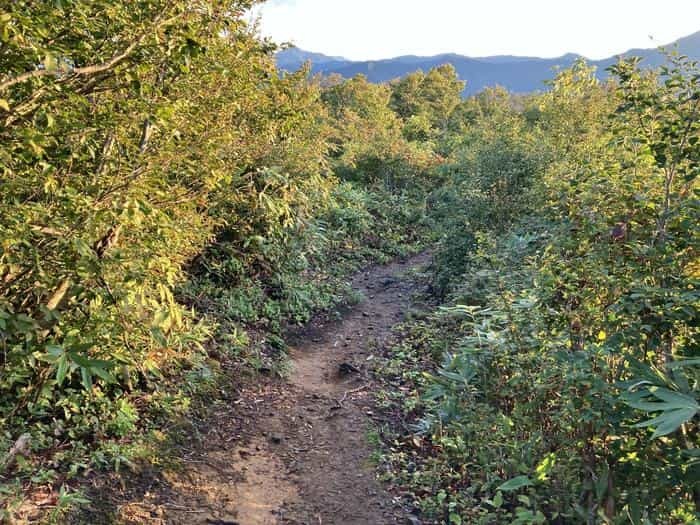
point(568, 391)
point(134, 136)
point(168, 202)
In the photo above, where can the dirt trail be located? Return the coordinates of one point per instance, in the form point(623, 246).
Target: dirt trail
point(294, 451)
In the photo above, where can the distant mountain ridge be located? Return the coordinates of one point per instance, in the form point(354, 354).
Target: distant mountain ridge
point(518, 74)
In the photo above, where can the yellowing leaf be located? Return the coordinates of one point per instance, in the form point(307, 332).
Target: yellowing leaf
point(602, 336)
point(4, 105)
point(50, 62)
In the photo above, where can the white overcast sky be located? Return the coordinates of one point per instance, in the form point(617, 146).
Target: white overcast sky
point(373, 29)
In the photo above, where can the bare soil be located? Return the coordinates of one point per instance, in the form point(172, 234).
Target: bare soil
point(291, 451)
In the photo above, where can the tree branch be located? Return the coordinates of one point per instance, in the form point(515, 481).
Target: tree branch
point(86, 70)
point(74, 72)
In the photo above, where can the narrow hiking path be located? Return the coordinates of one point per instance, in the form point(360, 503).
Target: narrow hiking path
point(307, 459)
point(293, 451)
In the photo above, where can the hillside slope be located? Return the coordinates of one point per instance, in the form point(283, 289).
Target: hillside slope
point(517, 74)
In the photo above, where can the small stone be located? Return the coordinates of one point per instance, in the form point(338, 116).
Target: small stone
point(276, 438)
point(347, 368)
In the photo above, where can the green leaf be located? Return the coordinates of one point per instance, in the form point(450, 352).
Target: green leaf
point(159, 336)
point(52, 355)
point(675, 399)
point(515, 483)
point(635, 510)
point(673, 421)
point(498, 500)
point(62, 369)
point(86, 378)
point(103, 374)
point(524, 500)
point(669, 421)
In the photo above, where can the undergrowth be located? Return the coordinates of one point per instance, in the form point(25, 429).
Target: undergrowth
point(559, 381)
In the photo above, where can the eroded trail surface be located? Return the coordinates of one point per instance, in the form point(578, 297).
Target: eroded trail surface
point(319, 432)
point(294, 451)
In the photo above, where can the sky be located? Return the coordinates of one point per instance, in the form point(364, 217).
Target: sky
point(374, 29)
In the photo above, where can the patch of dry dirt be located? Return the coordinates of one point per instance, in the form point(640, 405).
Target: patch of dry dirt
point(294, 451)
